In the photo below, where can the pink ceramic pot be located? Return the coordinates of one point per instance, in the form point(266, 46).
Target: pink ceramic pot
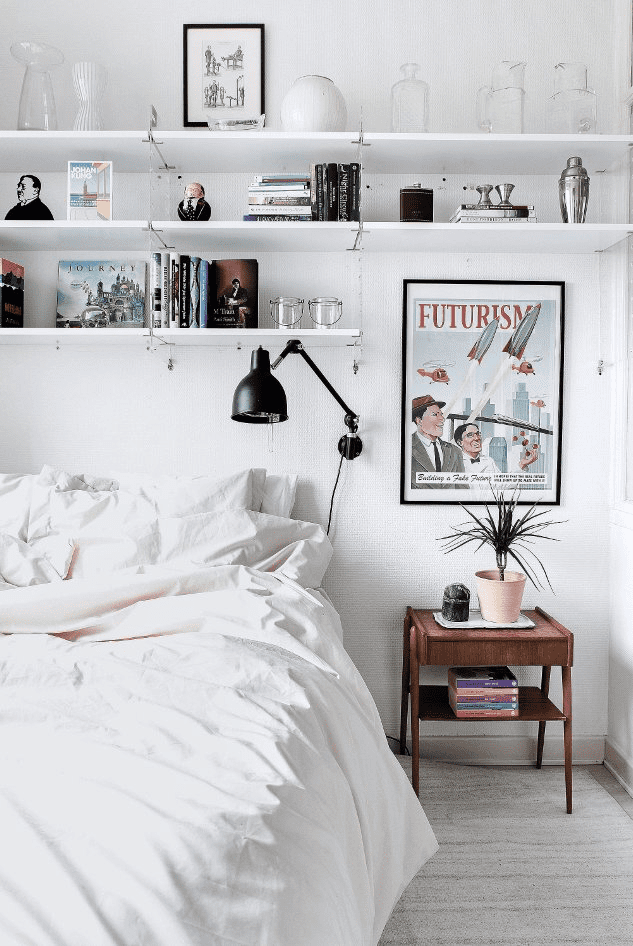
point(500, 601)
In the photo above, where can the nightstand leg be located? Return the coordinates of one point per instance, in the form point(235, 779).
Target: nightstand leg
point(406, 683)
point(566, 674)
point(415, 717)
point(545, 675)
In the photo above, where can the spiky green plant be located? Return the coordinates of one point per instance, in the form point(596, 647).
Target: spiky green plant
point(504, 529)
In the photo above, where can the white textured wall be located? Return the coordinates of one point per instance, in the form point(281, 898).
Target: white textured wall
point(100, 410)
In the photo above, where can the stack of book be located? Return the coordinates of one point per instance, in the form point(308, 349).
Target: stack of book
point(483, 692)
point(188, 291)
point(475, 213)
point(279, 197)
point(335, 191)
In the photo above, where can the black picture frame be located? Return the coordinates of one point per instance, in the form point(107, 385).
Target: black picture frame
point(489, 354)
point(217, 83)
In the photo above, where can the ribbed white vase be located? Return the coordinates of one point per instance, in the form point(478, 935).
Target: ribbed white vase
point(313, 103)
point(89, 82)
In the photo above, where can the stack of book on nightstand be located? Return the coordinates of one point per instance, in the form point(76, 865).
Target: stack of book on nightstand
point(483, 692)
point(475, 213)
point(279, 197)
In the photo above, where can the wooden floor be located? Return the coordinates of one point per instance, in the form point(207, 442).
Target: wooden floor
point(513, 868)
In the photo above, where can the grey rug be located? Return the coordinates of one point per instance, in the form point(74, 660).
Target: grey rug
point(513, 867)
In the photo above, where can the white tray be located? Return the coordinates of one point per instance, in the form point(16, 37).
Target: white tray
point(476, 620)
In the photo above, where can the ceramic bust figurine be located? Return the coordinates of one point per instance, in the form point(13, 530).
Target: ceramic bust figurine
point(193, 206)
point(29, 205)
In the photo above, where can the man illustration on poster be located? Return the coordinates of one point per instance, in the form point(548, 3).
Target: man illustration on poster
point(429, 453)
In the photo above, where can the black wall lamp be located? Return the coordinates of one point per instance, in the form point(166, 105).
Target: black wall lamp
point(260, 399)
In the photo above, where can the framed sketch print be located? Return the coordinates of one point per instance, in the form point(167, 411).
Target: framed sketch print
point(223, 72)
point(481, 390)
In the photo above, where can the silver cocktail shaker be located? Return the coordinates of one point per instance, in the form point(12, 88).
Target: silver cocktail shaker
point(573, 191)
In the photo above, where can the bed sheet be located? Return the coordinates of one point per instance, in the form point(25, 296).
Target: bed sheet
point(190, 757)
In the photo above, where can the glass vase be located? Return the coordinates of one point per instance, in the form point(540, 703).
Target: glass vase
point(37, 110)
point(410, 102)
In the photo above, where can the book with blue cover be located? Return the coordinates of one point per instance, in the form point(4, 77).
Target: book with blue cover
point(101, 293)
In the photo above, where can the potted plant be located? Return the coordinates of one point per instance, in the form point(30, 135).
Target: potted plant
point(510, 533)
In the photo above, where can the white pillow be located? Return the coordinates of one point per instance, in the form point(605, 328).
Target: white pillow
point(15, 503)
point(299, 550)
point(279, 494)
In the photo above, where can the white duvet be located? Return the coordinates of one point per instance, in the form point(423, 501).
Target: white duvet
point(190, 757)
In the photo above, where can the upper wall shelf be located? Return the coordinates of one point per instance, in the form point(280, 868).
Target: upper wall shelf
point(382, 153)
point(188, 338)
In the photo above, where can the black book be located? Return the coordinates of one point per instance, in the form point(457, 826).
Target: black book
point(332, 191)
point(354, 191)
point(344, 197)
point(185, 269)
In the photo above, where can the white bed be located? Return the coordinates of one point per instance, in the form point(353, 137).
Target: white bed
point(189, 756)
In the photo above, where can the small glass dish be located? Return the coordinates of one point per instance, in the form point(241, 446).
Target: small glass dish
point(236, 124)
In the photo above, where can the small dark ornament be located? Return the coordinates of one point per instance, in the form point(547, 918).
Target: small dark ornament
point(456, 603)
point(29, 205)
point(193, 206)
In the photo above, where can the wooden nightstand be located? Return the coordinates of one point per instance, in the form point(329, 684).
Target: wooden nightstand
point(426, 643)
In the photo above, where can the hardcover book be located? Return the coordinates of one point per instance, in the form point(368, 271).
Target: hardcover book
point(12, 295)
point(101, 293)
point(89, 190)
point(481, 677)
point(233, 301)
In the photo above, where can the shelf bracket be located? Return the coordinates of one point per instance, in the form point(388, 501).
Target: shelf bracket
point(152, 229)
point(152, 141)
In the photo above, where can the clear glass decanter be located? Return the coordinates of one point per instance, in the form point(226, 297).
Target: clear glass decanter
point(410, 102)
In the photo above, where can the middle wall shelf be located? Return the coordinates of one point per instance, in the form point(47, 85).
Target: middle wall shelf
point(236, 236)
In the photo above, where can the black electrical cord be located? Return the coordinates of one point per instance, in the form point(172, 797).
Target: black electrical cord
point(333, 492)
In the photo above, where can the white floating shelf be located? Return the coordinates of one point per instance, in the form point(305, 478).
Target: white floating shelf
point(270, 150)
point(231, 338)
point(238, 237)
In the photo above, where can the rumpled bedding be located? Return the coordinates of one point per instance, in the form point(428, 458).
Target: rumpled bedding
point(189, 756)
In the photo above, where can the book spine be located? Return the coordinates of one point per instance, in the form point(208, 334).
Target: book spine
point(165, 291)
point(317, 192)
point(332, 191)
point(204, 292)
point(194, 292)
point(493, 220)
point(343, 191)
point(284, 210)
point(156, 283)
point(483, 712)
point(496, 695)
point(354, 191)
point(12, 295)
point(174, 284)
point(184, 291)
point(272, 218)
point(301, 199)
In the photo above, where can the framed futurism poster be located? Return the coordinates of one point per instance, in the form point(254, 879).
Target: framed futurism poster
point(223, 72)
point(482, 370)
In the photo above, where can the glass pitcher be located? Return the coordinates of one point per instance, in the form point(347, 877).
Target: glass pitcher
point(572, 107)
point(500, 105)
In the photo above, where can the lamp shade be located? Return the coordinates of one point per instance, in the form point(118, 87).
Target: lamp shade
point(259, 397)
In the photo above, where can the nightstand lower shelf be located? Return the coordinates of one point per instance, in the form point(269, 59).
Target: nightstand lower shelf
point(533, 706)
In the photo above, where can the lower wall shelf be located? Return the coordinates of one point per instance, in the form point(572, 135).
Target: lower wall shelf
point(313, 338)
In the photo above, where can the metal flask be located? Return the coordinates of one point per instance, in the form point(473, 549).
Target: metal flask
point(573, 191)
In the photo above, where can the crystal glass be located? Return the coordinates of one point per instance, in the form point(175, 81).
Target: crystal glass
point(410, 102)
point(286, 311)
point(325, 311)
point(571, 110)
point(500, 105)
point(37, 110)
